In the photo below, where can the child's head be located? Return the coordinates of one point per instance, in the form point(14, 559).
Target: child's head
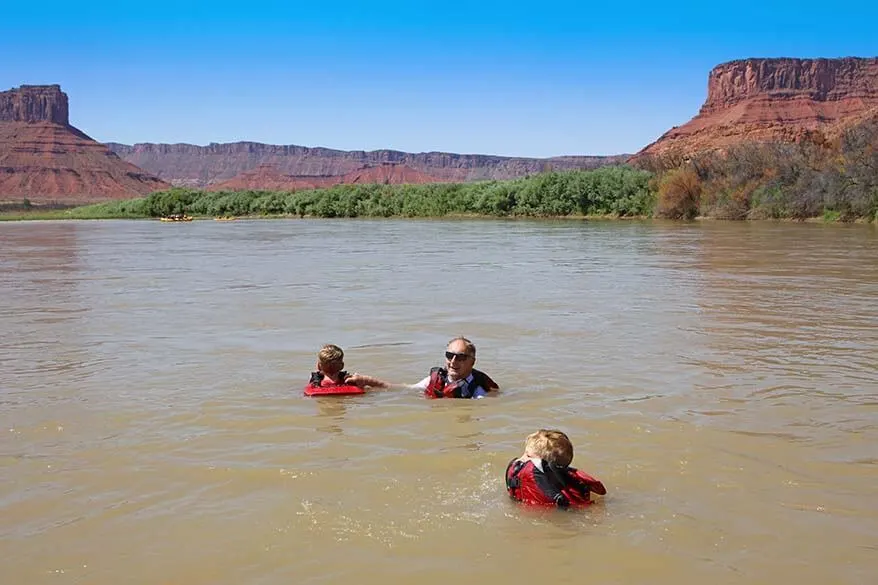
point(551, 445)
point(330, 359)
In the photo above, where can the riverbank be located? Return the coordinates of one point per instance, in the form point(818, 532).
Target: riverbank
point(606, 193)
point(38, 215)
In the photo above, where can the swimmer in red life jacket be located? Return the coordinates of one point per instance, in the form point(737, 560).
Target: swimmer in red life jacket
point(543, 476)
point(457, 379)
point(330, 377)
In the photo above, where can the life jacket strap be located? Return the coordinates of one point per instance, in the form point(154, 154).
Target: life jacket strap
point(318, 377)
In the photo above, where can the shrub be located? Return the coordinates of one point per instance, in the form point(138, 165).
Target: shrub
point(830, 216)
point(679, 194)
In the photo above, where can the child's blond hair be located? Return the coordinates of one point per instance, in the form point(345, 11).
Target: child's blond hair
point(330, 359)
point(551, 445)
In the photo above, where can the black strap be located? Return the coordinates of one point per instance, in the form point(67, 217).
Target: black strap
point(565, 479)
point(317, 377)
point(558, 474)
point(480, 379)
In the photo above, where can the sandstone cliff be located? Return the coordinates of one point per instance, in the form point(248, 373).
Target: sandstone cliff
point(267, 178)
point(34, 103)
point(44, 159)
point(388, 174)
point(775, 99)
point(200, 166)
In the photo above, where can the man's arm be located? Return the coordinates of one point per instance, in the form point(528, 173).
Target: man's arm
point(362, 380)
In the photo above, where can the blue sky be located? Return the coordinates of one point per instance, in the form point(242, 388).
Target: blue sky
point(508, 78)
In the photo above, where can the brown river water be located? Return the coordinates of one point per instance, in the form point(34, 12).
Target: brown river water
point(720, 378)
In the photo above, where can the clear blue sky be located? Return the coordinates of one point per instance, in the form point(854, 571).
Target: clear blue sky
point(509, 78)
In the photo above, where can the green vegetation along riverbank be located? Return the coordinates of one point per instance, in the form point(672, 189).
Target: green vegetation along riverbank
point(814, 178)
point(610, 191)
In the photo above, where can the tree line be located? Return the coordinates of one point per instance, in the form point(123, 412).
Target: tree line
point(619, 191)
point(816, 176)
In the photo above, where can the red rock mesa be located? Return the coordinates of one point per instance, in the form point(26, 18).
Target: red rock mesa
point(46, 160)
point(775, 100)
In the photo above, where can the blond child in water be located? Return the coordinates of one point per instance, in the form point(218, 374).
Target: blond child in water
point(543, 476)
point(331, 375)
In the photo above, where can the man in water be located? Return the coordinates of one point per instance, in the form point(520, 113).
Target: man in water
point(458, 379)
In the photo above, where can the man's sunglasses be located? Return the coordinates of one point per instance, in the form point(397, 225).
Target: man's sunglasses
point(450, 355)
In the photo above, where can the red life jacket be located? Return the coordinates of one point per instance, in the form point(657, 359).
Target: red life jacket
point(319, 385)
point(550, 486)
point(440, 387)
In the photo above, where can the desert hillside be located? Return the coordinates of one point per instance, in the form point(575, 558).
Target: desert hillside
point(46, 160)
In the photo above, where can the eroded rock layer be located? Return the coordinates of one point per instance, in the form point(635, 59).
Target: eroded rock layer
point(775, 99)
point(200, 166)
point(45, 160)
point(268, 178)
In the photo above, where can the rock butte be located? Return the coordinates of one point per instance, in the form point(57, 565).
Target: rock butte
point(761, 100)
point(46, 160)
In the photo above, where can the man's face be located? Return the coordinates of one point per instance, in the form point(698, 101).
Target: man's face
point(458, 362)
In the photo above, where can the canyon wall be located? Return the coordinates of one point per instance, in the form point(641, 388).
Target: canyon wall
point(202, 166)
point(775, 100)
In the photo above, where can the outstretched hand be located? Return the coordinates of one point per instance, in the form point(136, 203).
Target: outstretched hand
point(361, 381)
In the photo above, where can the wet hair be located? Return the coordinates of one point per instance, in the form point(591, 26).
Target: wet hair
point(470, 346)
point(552, 445)
point(330, 359)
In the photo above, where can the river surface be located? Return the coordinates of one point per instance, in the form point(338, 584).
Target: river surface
point(719, 378)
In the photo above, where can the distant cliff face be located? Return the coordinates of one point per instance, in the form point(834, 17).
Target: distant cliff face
point(45, 159)
point(201, 166)
point(267, 178)
point(34, 103)
point(388, 174)
point(775, 99)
